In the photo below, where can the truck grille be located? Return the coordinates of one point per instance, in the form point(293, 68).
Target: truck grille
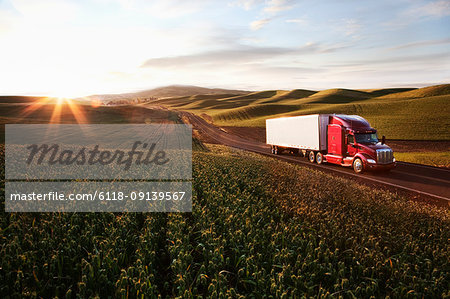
point(385, 156)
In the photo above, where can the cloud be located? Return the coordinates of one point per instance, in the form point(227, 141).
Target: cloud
point(258, 24)
point(422, 43)
point(174, 8)
point(270, 6)
point(431, 10)
point(161, 9)
point(351, 27)
point(274, 6)
point(258, 67)
point(239, 55)
point(246, 4)
point(46, 10)
point(297, 21)
point(423, 61)
point(270, 10)
point(234, 56)
point(7, 21)
point(435, 9)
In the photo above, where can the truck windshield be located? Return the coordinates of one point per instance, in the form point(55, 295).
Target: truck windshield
point(366, 138)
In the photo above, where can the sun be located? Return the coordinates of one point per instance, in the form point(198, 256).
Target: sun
point(66, 92)
point(60, 100)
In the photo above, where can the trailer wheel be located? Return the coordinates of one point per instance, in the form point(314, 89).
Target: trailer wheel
point(311, 157)
point(358, 166)
point(276, 150)
point(319, 158)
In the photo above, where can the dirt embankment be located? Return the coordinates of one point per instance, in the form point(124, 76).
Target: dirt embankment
point(400, 146)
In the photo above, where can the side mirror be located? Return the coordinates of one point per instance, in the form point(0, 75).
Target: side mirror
point(383, 139)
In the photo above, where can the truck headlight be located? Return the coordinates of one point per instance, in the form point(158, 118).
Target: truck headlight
point(371, 161)
point(393, 159)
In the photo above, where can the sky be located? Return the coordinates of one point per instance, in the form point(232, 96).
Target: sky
point(75, 48)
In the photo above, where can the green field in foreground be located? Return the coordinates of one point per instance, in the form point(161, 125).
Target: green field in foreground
point(258, 227)
point(410, 114)
point(438, 159)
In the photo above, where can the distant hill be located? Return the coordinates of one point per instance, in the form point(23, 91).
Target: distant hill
point(19, 99)
point(430, 91)
point(338, 95)
point(168, 92)
point(398, 113)
point(385, 91)
point(185, 90)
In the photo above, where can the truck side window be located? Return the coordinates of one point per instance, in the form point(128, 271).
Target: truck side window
point(351, 139)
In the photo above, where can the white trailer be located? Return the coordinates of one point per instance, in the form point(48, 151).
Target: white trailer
point(306, 133)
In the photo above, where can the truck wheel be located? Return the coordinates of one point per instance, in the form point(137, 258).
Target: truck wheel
point(311, 157)
point(358, 166)
point(319, 158)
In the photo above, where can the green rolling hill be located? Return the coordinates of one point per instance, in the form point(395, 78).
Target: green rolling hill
point(398, 113)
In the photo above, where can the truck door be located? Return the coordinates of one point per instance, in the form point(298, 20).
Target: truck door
point(351, 147)
point(336, 140)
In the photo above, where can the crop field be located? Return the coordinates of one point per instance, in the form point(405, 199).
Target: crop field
point(42, 111)
point(409, 114)
point(258, 227)
point(437, 159)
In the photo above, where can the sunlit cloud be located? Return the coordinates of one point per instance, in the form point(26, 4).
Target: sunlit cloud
point(278, 5)
point(258, 24)
point(423, 44)
point(297, 21)
point(351, 27)
point(436, 9)
point(241, 55)
point(46, 11)
point(246, 4)
point(162, 9)
point(419, 11)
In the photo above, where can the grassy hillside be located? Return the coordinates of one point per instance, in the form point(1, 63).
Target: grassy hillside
point(430, 91)
point(421, 119)
point(336, 96)
point(412, 114)
point(248, 235)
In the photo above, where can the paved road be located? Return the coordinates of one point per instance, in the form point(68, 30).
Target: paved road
point(427, 182)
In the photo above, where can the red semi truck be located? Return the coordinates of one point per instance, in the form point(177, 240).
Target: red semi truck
point(347, 140)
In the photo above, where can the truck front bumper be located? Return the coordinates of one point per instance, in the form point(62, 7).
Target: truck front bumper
point(381, 167)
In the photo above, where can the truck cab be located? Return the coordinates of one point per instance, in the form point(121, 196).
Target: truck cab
point(353, 142)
